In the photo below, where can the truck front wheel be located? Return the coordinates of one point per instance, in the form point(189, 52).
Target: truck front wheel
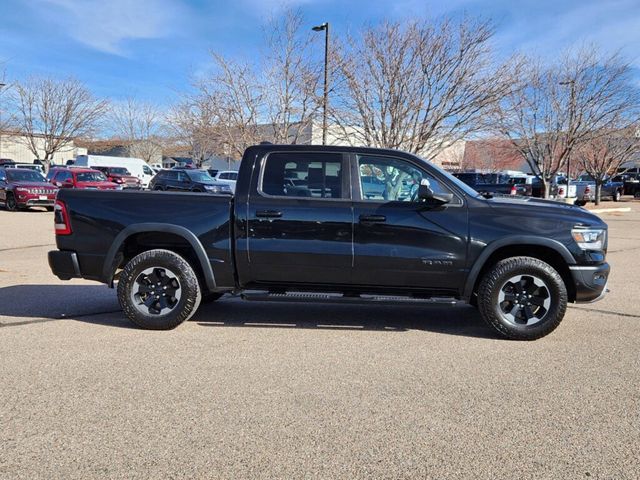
point(158, 290)
point(522, 298)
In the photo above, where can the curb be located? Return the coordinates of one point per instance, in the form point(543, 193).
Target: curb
point(607, 210)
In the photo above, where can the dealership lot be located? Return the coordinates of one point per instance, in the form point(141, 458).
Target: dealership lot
point(285, 390)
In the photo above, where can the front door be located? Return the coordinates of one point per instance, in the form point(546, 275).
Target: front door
point(300, 220)
point(401, 241)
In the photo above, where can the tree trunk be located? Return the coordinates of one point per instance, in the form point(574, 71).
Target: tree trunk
point(598, 191)
point(546, 186)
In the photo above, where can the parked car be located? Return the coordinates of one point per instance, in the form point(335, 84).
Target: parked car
point(29, 166)
point(537, 188)
point(4, 162)
point(121, 176)
point(138, 167)
point(630, 183)
point(81, 178)
point(227, 176)
point(586, 189)
point(24, 188)
point(188, 180)
point(491, 183)
point(520, 260)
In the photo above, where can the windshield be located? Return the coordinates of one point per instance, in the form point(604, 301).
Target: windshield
point(90, 177)
point(24, 176)
point(119, 171)
point(200, 176)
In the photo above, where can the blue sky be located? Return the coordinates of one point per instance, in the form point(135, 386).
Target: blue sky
point(150, 49)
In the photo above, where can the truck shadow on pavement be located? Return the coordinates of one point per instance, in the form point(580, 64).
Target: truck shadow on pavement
point(97, 304)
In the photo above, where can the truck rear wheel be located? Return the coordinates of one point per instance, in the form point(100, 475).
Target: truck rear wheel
point(522, 298)
point(158, 290)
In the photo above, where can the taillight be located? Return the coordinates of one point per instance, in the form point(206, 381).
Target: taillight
point(561, 191)
point(587, 189)
point(61, 219)
point(513, 191)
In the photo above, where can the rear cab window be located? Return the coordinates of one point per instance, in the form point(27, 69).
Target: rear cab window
point(310, 175)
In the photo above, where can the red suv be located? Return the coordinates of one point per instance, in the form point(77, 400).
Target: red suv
point(121, 176)
point(84, 178)
point(23, 188)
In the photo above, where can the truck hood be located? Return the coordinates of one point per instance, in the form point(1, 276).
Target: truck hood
point(564, 211)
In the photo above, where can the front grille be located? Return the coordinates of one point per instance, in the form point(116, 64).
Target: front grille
point(40, 191)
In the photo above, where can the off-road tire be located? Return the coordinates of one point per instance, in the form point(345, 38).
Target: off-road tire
point(188, 281)
point(211, 297)
point(494, 279)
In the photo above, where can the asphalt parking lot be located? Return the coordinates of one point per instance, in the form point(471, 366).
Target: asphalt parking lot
point(251, 390)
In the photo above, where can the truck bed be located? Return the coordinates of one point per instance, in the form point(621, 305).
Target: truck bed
point(101, 219)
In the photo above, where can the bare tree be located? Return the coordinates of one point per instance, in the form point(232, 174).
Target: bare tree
point(5, 117)
point(419, 87)
point(50, 114)
point(192, 123)
point(235, 98)
point(139, 124)
point(557, 107)
point(274, 98)
point(291, 79)
point(603, 155)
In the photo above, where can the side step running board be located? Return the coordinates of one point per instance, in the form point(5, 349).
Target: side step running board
point(315, 297)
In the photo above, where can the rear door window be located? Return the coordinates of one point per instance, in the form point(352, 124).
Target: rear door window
point(304, 175)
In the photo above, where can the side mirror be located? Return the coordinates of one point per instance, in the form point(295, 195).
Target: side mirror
point(67, 184)
point(425, 193)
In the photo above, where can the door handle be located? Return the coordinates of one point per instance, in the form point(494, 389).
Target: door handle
point(268, 214)
point(372, 219)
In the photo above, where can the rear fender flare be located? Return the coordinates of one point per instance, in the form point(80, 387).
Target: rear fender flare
point(113, 255)
point(506, 242)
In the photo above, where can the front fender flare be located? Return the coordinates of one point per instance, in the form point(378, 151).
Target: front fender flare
point(515, 240)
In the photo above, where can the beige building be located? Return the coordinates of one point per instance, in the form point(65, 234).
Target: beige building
point(15, 147)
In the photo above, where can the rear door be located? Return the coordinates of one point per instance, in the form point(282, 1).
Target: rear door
point(400, 241)
point(300, 220)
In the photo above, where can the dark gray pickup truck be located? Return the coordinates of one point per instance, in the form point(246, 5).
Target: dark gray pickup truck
point(335, 224)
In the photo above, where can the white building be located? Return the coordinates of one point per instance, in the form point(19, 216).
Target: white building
point(15, 147)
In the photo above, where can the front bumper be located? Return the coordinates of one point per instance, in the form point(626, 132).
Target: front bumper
point(590, 281)
point(64, 264)
point(40, 203)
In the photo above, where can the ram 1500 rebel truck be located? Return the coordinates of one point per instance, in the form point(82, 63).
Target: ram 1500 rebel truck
point(304, 226)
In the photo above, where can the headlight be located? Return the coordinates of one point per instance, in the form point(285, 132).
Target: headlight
point(590, 238)
point(218, 188)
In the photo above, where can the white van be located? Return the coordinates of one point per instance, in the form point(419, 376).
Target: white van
point(136, 166)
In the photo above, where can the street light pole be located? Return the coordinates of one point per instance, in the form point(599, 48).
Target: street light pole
point(572, 107)
point(325, 101)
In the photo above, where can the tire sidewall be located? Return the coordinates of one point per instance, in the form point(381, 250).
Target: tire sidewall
point(496, 278)
point(190, 289)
